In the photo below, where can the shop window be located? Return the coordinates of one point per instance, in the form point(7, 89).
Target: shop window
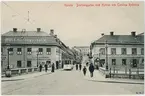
point(123, 61)
point(113, 61)
point(134, 63)
point(19, 64)
point(29, 64)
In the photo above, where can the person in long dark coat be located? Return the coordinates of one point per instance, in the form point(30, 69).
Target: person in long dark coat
point(80, 66)
point(91, 69)
point(40, 67)
point(76, 66)
point(52, 69)
point(46, 67)
point(84, 70)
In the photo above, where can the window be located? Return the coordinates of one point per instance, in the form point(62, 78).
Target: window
point(19, 64)
point(134, 51)
point(142, 61)
point(40, 51)
point(102, 51)
point(123, 61)
point(10, 51)
point(29, 51)
point(29, 64)
point(113, 61)
point(19, 51)
point(123, 51)
point(113, 51)
point(142, 51)
point(134, 63)
point(48, 51)
point(102, 62)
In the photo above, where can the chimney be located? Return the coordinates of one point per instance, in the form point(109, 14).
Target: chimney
point(102, 34)
point(111, 33)
point(38, 29)
point(14, 29)
point(51, 32)
point(55, 36)
point(133, 33)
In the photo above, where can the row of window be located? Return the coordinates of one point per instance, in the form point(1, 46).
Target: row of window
point(29, 63)
point(123, 51)
point(134, 62)
point(29, 51)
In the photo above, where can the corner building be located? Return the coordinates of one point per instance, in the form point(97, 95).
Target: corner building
point(31, 48)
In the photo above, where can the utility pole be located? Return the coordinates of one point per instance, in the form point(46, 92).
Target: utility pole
point(106, 56)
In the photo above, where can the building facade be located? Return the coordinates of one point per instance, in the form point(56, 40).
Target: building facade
point(119, 51)
point(22, 49)
point(84, 50)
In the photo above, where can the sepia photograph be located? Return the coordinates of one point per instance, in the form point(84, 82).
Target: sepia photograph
point(72, 47)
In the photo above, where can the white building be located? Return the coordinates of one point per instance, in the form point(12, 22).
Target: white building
point(122, 50)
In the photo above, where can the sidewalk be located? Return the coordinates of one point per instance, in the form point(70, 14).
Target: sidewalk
point(98, 77)
point(25, 76)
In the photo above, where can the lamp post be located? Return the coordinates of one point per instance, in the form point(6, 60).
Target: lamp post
point(106, 47)
point(8, 71)
point(8, 67)
point(37, 58)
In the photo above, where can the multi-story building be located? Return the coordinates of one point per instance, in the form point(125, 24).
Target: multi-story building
point(84, 52)
point(83, 49)
point(119, 50)
point(22, 49)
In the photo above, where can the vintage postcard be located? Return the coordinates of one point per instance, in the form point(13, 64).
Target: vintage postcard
point(72, 47)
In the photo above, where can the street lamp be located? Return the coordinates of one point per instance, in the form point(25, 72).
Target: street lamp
point(106, 47)
point(8, 71)
point(37, 58)
point(8, 67)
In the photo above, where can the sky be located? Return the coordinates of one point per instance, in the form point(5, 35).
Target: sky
point(75, 26)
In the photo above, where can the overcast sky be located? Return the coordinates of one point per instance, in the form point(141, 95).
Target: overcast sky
point(75, 26)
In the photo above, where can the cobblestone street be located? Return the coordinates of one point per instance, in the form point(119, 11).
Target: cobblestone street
point(70, 83)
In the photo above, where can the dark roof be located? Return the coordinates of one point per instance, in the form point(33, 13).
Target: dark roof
point(26, 33)
point(121, 39)
point(28, 37)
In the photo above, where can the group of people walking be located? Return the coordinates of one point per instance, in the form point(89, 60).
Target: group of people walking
point(46, 67)
point(91, 68)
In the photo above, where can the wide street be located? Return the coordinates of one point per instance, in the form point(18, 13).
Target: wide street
point(70, 83)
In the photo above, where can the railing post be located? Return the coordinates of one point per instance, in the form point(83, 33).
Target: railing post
point(27, 70)
point(125, 70)
point(19, 72)
point(129, 73)
point(113, 71)
point(110, 72)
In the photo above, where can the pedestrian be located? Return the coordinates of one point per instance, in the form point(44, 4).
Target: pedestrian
point(40, 67)
point(84, 70)
point(46, 67)
point(87, 64)
point(91, 69)
point(80, 66)
point(76, 66)
point(52, 69)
